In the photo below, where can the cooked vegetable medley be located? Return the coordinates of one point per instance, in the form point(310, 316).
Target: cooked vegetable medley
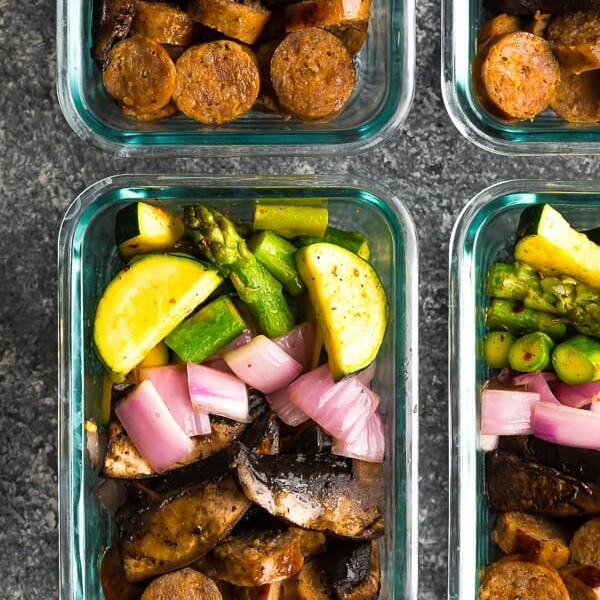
point(540, 413)
point(244, 441)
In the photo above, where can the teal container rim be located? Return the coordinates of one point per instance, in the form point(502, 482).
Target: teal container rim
point(71, 443)
point(544, 135)
point(300, 140)
point(462, 374)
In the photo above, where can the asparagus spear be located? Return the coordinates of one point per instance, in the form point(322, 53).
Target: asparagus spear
point(219, 242)
point(518, 319)
point(562, 295)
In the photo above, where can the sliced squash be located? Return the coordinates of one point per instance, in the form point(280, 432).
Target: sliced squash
point(350, 304)
point(144, 303)
point(547, 242)
point(142, 228)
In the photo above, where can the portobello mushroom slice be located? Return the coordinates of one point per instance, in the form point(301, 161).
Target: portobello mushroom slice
point(171, 531)
point(309, 584)
point(516, 484)
point(353, 569)
point(316, 492)
point(112, 23)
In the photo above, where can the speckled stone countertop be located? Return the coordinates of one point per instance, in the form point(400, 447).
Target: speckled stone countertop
point(43, 166)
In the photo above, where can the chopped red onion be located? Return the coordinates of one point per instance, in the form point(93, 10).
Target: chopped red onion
point(285, 409)
point(112, 494)
point(341, 409)
point(536, 382)
point(239, 341)
point(152, 428)
point(298, 343)
point(488, 442)
point(506, 376)
point(367, 374)
point(507, 412)
point(171, 383)
point(578, 395)
point(263, 365)
point(218, 393)
point(368, 446)
point(567, 426)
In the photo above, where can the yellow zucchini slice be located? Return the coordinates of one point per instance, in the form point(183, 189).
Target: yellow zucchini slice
point(350, 304)
point(547, 242)
point(145, 302)
point(142, 228)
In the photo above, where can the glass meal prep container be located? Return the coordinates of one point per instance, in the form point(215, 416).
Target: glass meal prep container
point(380, 102)
point(484, 233)
point(88, 260)
point(546, 134)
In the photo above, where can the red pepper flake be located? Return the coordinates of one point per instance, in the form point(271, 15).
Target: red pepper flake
point(517, 309)
point(172, 300)
point(527, 355)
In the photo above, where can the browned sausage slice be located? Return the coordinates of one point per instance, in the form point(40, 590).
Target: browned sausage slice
point(216, 82)
point(498, 25)
point(533, 535)
point(352, 33)
point(320, 13)
point(515, 74)
point(139, 74)
point(582, 582)
point(312, 74)
point(164, 23)
point(585, 544)
point(185, 584)
point(575, 39)
point(168, 110)
point(577, 97)
point(309, 584)
point(238, 20)
point(253, 558)
point(538, 23)
point(516, 577)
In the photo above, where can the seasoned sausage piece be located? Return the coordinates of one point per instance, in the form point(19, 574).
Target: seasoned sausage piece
point(312, 74)
point(309, 584)
point(266, 97)
point(577, 97)
point(216, 82)
point(515, 577)
point(532, 535)
point(185, 584)
point(168, 110)
point(352, 33)
point(241, 21)
point(585, 544)
point(575, 39)
point(139, 74)
point(515, 74)
point(498, 25)
point(320, 13)
point(164, 23)
point(256, 557)
point(582, 582)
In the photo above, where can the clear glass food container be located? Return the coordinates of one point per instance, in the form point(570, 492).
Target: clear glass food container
point(88, 260)
point(380, 102)
point(484, 233)
point(546, 134)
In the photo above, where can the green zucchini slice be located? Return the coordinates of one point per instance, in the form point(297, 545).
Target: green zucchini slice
point(142, 228)
point(547, 242)
point(144, 303)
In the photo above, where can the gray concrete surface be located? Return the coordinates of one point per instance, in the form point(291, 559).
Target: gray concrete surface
point(43, 166)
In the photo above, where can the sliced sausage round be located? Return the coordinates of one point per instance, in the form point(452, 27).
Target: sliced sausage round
point(216, 82)
point(139, 75)
point(237, 20)
point(352, 33)
point(515, 74)
point(320, 13)
point(312, 74)
point(164, 23)
point(533, 535)
point(575, 39)
point(582, 582)
point(515, 577)
point(585, 544)
point(577, 97)
point(498, 25)
point(185, 584)
point(168, 110)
